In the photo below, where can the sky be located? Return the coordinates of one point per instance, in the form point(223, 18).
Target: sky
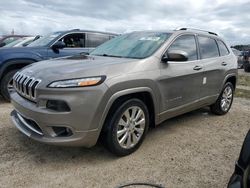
point(230, 19)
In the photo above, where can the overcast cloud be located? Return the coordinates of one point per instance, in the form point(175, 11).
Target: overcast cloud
point(231, 19)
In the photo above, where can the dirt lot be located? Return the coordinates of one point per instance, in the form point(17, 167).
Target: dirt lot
point(197, 149)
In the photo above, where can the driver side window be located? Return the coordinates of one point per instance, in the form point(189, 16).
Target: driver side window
point(74, 40)
point(187, 44)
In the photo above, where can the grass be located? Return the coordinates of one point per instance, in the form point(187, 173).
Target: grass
point(244, 80)
point(242, 93)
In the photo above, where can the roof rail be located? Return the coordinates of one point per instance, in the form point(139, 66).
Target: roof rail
point(74, 30)
point(185, 28)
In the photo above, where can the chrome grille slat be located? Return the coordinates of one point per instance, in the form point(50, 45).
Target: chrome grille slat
point(25, 85)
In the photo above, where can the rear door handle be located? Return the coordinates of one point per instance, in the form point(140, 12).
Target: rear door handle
point(223, 63)
point(197, 68)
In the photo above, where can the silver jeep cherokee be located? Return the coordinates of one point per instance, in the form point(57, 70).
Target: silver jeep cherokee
point(127, 84)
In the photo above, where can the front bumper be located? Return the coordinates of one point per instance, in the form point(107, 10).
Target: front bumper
point(84, 138)
point(38, 123)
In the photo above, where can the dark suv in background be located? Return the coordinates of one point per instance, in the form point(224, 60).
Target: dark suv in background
point(57, 44)
point(246, 60)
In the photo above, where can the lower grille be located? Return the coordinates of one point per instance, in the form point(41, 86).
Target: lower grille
point(29, 124)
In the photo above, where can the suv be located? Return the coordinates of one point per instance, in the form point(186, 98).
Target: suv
point(57, 44)
point(121, 88)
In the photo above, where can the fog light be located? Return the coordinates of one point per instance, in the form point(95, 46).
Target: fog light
point(57, 105)
point(62, 131)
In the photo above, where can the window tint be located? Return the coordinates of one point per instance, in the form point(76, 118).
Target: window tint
point(187, 44)
point(208, 47)
point(75, 40)
point(223, 48)
point(94, 40)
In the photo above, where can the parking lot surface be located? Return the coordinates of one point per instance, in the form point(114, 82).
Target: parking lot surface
point(197, 149)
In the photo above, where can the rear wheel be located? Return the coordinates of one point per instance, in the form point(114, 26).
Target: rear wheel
point(127, 127)
point(7, 84)
point(224, 101)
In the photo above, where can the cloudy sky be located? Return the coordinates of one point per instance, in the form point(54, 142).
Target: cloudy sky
point(230, 19)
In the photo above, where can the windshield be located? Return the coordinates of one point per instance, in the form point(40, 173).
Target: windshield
point(44, 40)
point(133, 45)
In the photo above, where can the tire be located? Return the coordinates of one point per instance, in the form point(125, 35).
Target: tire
point(5, 84)
point(118, 122)
point(218, 108)
point(247, 68)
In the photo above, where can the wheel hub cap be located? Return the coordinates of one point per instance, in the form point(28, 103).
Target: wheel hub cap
point(226, 99)
point(131, 127)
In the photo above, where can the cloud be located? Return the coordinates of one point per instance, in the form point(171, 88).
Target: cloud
point(226, 17)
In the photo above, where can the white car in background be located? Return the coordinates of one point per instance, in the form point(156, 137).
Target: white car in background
point(22, 42)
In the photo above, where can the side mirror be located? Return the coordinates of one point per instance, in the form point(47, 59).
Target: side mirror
point(2, 44)
point(58, 45)
point(175, 55)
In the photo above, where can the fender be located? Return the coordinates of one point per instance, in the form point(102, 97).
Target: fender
point(229, 74)
point(123, 93)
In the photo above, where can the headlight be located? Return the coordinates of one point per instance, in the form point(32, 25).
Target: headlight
point(78, 82)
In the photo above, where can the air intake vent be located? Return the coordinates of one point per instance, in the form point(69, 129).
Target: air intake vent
point(25, 85)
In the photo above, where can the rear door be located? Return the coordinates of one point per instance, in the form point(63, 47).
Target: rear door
point(214, 65)
point(180, 82)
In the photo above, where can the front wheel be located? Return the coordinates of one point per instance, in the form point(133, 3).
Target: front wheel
point(7, 84)
point(224, 101)
point(127, 127)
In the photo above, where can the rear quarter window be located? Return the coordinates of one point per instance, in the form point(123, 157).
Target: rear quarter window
point(208, 47)
point(222, 47)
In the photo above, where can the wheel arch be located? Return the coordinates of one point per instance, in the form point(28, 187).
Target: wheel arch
point(231, 78)
point(143, 93)
point(13, 64)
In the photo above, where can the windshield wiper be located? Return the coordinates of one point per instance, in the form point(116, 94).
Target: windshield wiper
point(107, 55)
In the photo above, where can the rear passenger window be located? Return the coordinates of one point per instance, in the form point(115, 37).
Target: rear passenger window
point(94, 40)
point(223, 48)
point(208, 47)
point(187, 44)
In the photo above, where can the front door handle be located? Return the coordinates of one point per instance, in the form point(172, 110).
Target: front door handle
point(197, 68)
point(223, 63)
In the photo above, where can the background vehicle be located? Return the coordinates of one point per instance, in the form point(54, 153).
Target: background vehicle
point(57, 44)
point(246, 61)
point(22, 42)
point(241, 175)
point(124, 86)
point(6, 39)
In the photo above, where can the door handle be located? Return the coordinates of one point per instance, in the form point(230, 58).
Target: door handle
point(223, 63)
point(197, 68)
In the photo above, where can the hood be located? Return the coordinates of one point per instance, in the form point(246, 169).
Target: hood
point(79, 66)
point(5, 50)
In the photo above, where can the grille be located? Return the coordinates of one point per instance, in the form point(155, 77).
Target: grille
point(25, 85)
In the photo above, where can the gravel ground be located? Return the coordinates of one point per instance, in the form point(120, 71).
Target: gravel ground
point(197, 149)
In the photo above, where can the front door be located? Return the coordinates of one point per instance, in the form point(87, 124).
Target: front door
point(75, 44)
point(180, 82)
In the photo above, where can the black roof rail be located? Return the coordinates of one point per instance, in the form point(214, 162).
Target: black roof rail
point(185, 28)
